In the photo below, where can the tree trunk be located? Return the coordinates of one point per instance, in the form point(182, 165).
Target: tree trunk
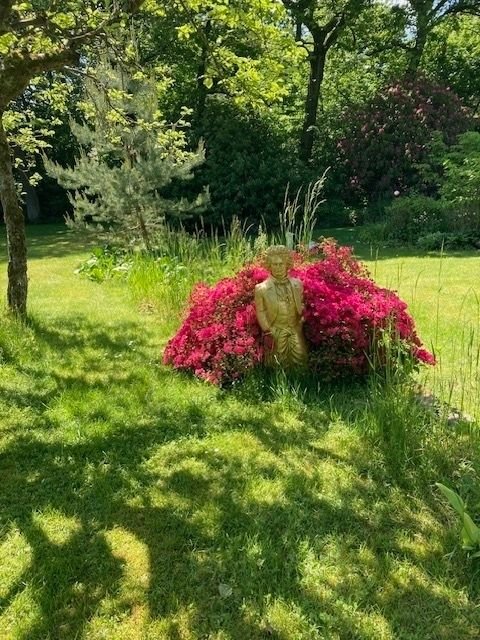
point(415, 54)
point(31, 202)
point(317, 68)
point(15, 224)
point(144, 233)
point(201, 86)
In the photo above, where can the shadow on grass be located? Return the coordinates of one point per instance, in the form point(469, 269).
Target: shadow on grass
point(188, 562)
point(50, 241)
point(261, 523)
point(390, 414)
point(349, 236)
point(73, 355)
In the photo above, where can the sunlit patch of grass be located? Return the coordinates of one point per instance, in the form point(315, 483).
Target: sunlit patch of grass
point(443, 296)
point(15, 547)
point(57, 527)
point(125, 612)
point(22, 614)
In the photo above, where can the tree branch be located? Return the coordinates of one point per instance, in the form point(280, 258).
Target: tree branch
point(436, 10)
point(471, 7)
point(221, 70)
point(37, 21)
point(19, 68)
point(15, 76)
point(305, 45)
point(87, 35)
point(333, 28)
point(393, 44)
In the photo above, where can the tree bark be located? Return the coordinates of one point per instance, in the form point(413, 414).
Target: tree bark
point(201, 87)
point(415, 54)
point(317, 69)
point(144, 233)
point(32, 203)
point(15, 224)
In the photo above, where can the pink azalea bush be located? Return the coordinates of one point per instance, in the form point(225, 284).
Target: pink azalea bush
point(346, 317)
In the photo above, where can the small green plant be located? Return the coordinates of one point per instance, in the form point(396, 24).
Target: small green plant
point(470, 533)
point(105, 263)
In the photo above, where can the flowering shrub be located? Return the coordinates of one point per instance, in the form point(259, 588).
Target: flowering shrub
point(220, 339)
point(390, 135)
point(346, 318)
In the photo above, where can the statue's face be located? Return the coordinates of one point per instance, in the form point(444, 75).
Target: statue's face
point(278, 267)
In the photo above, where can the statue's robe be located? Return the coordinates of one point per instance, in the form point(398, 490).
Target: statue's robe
point(279, 309)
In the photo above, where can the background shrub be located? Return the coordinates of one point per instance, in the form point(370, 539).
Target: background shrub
point(391, 133)
point(460, 182)
point(438, 240)
point(413, 216)
point(373, 233)
point(249, 163)
point(450, 217)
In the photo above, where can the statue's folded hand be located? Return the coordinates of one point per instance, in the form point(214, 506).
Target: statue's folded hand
point(274, 332)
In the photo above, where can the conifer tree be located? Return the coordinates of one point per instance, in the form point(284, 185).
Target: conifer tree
point(128, 156)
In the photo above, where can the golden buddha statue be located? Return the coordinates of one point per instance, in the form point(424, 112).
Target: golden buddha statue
point(279, 309)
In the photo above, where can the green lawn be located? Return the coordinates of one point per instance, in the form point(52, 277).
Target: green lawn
point(136, 503)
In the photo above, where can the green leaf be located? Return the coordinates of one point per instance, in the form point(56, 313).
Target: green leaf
point(64, 20)
point(453, 498)
point(6, 42)
point(471, 530)
point(22, 6)
point(185, 31)
point(225, 590)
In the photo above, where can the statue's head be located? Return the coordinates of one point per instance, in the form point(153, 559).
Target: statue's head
point(278, 260)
